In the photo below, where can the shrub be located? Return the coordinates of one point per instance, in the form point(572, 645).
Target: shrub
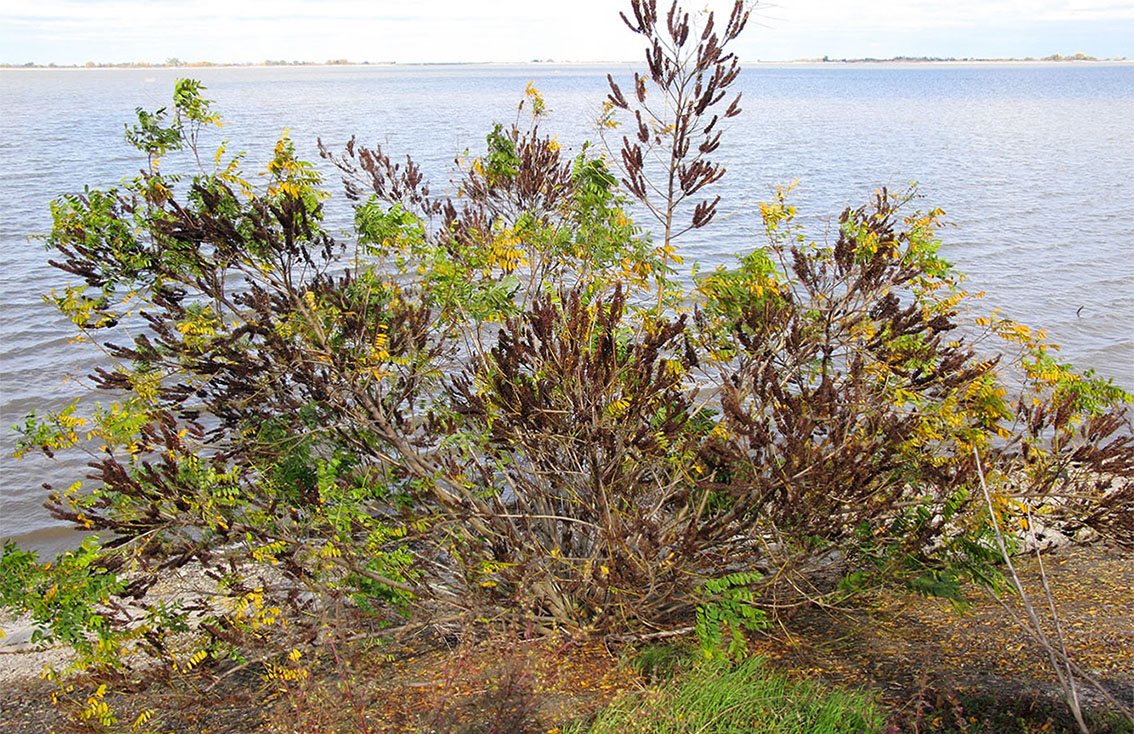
point(505, 404)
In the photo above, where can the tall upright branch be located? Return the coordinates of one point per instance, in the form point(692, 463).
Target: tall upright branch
point(690, 72)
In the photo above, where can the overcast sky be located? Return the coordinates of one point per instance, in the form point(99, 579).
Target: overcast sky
point(77, 31)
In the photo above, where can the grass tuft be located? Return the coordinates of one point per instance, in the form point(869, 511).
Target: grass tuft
point(718, 697)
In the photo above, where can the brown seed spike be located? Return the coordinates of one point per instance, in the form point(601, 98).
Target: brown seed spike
point(708, 29)
point(616, 97)
point(737, 20)
point(734, 108)
point(631, 26)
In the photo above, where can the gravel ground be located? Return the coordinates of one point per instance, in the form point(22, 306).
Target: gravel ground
point(908, 649)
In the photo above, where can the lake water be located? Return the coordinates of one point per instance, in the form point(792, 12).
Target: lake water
point(1033, 163)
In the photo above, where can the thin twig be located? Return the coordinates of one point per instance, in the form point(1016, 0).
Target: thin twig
point(1066, 681)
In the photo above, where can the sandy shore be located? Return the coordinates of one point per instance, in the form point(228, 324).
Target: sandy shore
point(20, 658)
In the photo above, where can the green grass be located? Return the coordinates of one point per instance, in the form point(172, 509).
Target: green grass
point(718, 697)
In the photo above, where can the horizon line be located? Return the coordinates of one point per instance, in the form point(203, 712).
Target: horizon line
point(269, 63)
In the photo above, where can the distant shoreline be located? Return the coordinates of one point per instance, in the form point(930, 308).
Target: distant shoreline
point(1054, 59)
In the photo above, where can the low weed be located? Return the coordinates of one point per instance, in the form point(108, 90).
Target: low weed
point(953, 712)
point(658, 663)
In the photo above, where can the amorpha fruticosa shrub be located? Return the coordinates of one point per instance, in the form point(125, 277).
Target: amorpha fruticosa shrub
point(505, 404)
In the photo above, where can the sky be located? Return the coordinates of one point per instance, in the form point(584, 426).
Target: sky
point(74, 32)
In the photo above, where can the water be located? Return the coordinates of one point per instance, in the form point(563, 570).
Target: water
point(1032, 163)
